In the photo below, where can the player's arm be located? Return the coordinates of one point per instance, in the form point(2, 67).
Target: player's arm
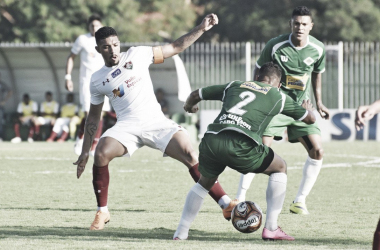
point(69, 68)
point(366, 113)
point(188, 39)
point(316, 81)
point(302, 113)
point(90, 129)
point(215, 92)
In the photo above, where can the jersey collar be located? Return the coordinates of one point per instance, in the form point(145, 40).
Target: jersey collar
point(297, 48)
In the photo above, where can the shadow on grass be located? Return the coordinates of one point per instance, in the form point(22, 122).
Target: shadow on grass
point(67, 209)
point(127, 234)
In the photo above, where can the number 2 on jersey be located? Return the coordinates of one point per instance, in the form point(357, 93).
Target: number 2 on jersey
point(247, 97)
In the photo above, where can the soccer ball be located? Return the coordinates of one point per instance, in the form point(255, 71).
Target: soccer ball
point(247, 217)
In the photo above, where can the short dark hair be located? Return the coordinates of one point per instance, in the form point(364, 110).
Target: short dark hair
point(25, 96)
point(94, 17)
point(301, 11)
point(270, 69)
point(48, 93)
point(104, 32)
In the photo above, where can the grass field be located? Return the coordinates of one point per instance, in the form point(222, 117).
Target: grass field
point(44, 206)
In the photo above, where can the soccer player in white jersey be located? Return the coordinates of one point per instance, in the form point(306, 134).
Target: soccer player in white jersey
point(302, 60)
point(140, 122)
point(364, 114)
point(90, 61)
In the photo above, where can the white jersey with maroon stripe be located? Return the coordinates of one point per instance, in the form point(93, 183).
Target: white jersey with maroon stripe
point(129, 87)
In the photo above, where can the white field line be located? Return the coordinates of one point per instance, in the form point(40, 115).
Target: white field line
point(371, 162)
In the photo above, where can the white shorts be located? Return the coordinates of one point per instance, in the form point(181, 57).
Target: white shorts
point(156, 134)
point(44, 120)
point(85, 99)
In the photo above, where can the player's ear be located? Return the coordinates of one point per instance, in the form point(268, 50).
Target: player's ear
point(290, 23)
point(311, 25)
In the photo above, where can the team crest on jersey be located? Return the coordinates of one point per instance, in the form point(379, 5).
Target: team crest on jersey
point(128, 65)
point(116, 73)
point(119, 92)
point(284, 58)
point(255, 87)
point(308, 61)
point(104, 82)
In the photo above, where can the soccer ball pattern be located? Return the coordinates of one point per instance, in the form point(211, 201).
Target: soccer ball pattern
point(246, 217)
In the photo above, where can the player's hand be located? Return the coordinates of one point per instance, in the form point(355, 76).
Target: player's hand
point(81, 163)
point(306, 104)
point(209, 21)
point(362, 115)
point(69, 85)
point(191, 109)
point(323, 111)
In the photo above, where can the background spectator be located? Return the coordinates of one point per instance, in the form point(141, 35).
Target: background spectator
point(27, 110)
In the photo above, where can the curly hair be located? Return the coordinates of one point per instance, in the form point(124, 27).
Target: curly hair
point(270, 69)
point(104, 32)
point(301, 11)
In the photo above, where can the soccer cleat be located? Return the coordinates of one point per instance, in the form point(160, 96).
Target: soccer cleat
point(16, 140)
point(30, 140)
point(277, 234)
point(298, 208)
point(101, 218)
point(227, 211)
point(177, 238)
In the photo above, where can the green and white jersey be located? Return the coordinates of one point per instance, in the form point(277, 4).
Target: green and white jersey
point(297, 63)
point(248, 107)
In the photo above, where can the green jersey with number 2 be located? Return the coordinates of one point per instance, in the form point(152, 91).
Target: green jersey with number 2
point(248, 107)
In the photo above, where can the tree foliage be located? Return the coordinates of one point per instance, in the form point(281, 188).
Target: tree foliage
point(163, 20)
point(64, 20)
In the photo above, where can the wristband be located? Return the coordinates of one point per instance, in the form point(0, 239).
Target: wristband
point(67, 77)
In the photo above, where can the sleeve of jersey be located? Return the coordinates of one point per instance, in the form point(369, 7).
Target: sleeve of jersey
point(35, 107)
point(77, 46)
point(19, 108)
point(215, 92)
point(319, 66)
point(293, 109)
point(56, 108)
point(266, 55)
point(144, 55)
point(96, 97)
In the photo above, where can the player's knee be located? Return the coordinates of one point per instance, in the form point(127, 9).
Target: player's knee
point(101, 157)
point(317, 153)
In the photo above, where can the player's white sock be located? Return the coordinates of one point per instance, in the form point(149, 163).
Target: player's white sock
point(224, 201)
point(309, 176)
point(276, 191)
point(194, 201)
point(245, 182)
point(103, 209)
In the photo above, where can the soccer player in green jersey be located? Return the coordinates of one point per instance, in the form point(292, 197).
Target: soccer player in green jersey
point(234, 139)
point(302, 60)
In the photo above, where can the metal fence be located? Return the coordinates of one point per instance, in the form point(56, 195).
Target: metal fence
point(219, 63)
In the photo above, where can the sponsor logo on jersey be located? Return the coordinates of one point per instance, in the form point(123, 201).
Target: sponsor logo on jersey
point(132, 81)
point(234, 119)
point(119, 92)
point(308, 61)
point(284, 58)
point(104, 82)
point(128, 65)
point(255, 87)
point(116, 73)
point(297, 82)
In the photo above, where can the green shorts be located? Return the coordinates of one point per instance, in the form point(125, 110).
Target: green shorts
point(233, 149)
point(296, 129)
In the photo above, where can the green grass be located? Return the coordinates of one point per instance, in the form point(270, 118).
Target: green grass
point(44, 206)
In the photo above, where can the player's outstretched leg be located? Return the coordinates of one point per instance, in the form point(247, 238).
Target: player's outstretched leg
point(310, 172)
point(275, 196)
point(180, 148)
point(194, 201)
point(107, 149)
point(100, 182)
point(245, 182)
